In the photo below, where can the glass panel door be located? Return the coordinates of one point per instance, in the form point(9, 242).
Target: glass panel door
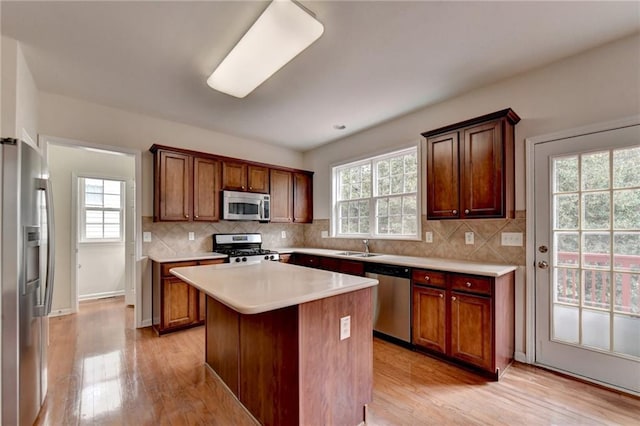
point(588, 275)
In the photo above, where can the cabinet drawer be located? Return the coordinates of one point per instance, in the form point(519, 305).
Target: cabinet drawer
point(432, 278)
point(211, 262)
point(167, 266)
point(471, 284)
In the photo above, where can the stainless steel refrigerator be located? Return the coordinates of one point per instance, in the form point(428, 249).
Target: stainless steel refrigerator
point(27, 279)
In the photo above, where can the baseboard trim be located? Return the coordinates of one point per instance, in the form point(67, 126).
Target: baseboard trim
point(521, 357)
point(61, 312)
point(102, 295)
point(145, 323)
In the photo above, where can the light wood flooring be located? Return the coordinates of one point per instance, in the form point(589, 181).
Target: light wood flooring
point(102, 371)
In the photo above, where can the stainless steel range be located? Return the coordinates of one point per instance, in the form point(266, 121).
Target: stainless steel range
point(243, 247)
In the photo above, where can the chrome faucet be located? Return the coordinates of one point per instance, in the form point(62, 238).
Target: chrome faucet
point(366, 247)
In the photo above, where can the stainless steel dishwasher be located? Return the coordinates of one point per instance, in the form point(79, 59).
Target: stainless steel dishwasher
point(391, 300)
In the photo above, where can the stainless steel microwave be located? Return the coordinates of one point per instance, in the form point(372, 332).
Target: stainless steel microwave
point(246, 206)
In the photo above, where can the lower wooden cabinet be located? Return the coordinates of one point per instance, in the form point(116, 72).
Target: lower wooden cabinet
point(465, 318)
point(343, 266)
point(176, 304)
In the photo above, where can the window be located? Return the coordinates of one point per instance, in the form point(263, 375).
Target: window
point(377, 197)
point(101, 210)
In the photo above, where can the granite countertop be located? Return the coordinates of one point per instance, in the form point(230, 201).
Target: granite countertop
point(183, 257)
point(255, 287)
point(434, 263)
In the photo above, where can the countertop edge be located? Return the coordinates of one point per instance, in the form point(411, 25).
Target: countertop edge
point(186, 257)
point(438, 264)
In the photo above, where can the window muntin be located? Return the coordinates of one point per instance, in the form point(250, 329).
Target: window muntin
point(378, 197)
point(101, 210)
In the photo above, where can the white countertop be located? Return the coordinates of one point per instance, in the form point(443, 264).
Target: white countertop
point(438, 264)
point(255, 287)
point(182, 257)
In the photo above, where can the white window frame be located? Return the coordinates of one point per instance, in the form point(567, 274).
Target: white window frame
point(83, 208)
point(335, 170)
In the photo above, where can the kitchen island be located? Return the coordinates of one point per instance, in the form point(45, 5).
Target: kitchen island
point(293, 344)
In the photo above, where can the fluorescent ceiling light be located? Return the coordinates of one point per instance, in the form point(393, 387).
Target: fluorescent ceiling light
point(282, 31)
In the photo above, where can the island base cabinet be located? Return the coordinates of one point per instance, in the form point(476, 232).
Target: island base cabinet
point(289, 366)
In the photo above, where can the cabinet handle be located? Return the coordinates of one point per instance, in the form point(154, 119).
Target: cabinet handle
point(454, 211)
point(468, 284)
point(466, 211)
point(453, 298)
point(426, 278)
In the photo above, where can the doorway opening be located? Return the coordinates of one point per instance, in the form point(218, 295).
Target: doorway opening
point(99, 231)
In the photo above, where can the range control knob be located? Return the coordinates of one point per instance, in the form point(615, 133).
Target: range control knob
point(237, 259)
point(267, 257)
point(244, 259)
point(271, 257)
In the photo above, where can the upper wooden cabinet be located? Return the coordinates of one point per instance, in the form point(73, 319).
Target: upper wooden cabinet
point(291, 196)
point(186, 187)
point(241, 176)
point(470, 168)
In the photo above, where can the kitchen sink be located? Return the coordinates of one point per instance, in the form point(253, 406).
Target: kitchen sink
point(356, 254)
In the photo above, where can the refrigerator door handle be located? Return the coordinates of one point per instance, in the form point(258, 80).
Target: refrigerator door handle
point(45, 309)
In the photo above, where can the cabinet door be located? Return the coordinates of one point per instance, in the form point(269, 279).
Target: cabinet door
point(482, 171)
point(202, 307)
point(442, 176)
point(471, 331)
point(180, 304)
point(206, 189)
point(258, 179)
point(302, 198)
point(281, 196)
point(306, 260)
point(430, 318)
point(173, 186)
point(234, 176)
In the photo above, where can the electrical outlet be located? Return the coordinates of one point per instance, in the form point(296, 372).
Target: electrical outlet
point(283, 234)
point(324, 234)
point(468, 237)
point(345, 327)
point(428, 237)
point(192, 236)
point(146, 237)
point(512, 239)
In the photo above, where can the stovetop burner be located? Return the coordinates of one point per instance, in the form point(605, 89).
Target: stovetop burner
point(242, 247)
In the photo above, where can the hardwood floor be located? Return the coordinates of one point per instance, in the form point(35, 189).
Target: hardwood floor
point(102, 371)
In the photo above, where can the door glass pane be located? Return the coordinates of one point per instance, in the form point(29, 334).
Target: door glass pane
point(596, 253)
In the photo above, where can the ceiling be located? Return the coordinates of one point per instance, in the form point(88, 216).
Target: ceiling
point(374, 62)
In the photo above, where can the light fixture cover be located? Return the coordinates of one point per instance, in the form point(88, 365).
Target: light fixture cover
point(282, 31)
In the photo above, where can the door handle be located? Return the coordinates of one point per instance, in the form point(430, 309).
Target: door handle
point(543, 264)
point(45, 309)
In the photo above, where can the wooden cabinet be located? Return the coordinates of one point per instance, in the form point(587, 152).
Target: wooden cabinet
point(241, 176)
point(285, 258)
point(291, 196)
point(186, 187)
point(176, 304)
point(302, 197)
point(333, 264)
point(465, 318)
point(281, 196)
point(470, 168)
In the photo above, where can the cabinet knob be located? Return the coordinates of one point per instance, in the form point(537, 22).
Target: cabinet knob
point(186, 216)
point(468, 284)
point(426, 278)
point(251, 187)
point(466, 211)
point(196, 216)
point(453, 298)
point(242, 187)
point(454, 211)
point(441, 295)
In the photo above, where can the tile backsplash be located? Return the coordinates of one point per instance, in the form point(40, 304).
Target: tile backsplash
point(170, 238)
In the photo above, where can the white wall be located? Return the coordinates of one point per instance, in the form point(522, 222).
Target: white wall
point(101, 270)
point(74, 119)
point(599, 85)
point(63, 162)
